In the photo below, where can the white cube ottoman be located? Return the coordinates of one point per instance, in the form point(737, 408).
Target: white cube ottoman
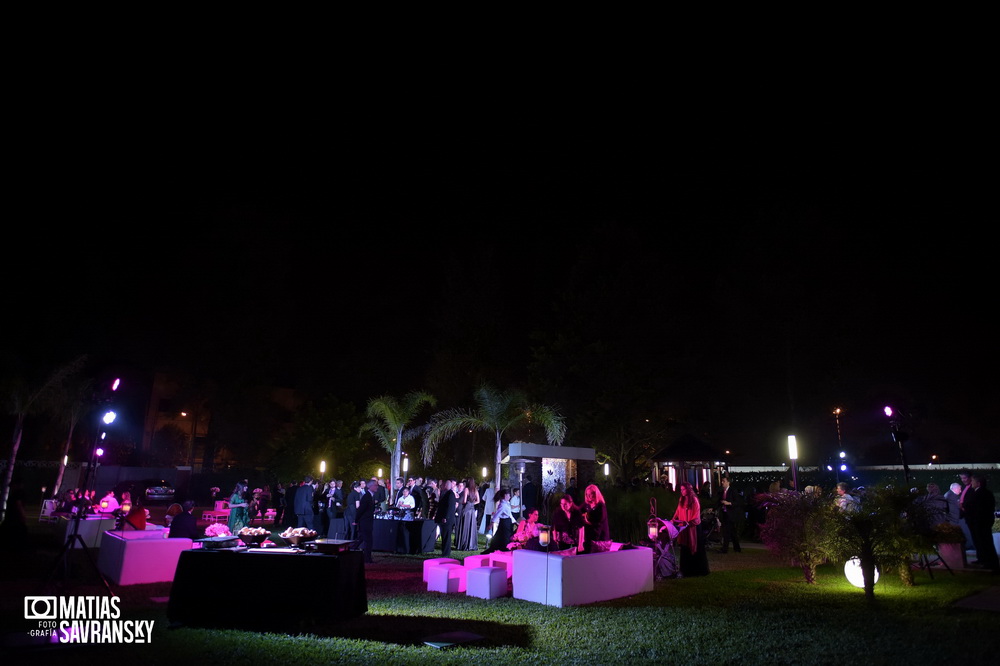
point(504, 560)
point(447, 578)
point(434, 561)
point(476, 561)
point(486, 582)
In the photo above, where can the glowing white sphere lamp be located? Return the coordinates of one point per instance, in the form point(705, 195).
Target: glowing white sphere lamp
point(852, 569)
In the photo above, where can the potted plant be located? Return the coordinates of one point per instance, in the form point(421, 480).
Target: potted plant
point(948, 539)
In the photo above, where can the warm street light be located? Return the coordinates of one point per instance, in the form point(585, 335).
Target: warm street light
point(793, 454)
point(109, 418)
point(484, 473)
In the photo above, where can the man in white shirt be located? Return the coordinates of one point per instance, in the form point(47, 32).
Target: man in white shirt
point(112, 503)
point(406, 500)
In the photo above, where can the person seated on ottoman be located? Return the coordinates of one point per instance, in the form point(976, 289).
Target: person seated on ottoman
point(526, 534)
point(184, 524)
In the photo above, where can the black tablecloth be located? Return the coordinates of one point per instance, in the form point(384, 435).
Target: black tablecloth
point(404, 536)
point(266, 591)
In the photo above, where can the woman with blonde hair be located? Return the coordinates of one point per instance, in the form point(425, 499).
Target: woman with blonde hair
point(596, 533)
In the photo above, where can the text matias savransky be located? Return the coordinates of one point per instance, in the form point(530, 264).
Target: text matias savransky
point(85, 619)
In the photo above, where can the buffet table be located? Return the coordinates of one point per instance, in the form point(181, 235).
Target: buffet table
point(404, 536)
point(234, 589)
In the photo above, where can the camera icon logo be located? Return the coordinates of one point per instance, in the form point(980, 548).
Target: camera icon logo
point(40, 608)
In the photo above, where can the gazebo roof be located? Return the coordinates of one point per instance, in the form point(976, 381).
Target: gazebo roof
point(529, 450)
point(687, 448)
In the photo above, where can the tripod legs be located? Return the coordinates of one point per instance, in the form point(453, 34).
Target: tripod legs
point(63, 560)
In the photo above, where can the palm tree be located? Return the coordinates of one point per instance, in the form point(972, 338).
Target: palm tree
point(496, 412)
point(389, 418)
point(25, 400)
point(73, 403)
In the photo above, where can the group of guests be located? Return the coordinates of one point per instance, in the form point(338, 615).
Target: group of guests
point(972, 506)
point(130, 515)
point(577, 527)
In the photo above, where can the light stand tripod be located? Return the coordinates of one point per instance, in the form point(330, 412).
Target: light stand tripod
point(74, 536)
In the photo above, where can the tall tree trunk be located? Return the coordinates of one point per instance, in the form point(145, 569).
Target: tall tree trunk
point(15, 445)
point(496, 471)
point(394, 464)
point(62, 462)
point(868, 571)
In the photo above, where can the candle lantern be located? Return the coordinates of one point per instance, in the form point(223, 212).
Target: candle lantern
point(126, 507)
point(653, 528)
point(104, 505)
point(543, 536)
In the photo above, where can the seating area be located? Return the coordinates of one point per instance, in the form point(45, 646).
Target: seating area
point(475, 576)
point(554, 579)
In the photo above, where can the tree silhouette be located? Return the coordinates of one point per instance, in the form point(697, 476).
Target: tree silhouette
point(496, 412)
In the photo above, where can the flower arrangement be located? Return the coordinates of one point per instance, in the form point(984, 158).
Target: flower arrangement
point(217, 530)
point(214, 490)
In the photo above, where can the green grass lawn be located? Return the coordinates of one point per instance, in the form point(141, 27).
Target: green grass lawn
point(750, 610)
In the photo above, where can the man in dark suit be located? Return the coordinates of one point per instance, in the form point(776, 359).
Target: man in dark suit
point(351, 510)
point(980, 505)
point(731, 513)
point(366, 519)
point(529, 496)
point(304, 505)
point(184, 524)
point(573, 491)
point(417, 493)
point(288, 517)
point(447, 506)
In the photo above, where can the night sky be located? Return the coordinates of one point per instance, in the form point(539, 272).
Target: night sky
point(791, 276)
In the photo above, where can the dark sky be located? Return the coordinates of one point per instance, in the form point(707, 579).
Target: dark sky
point(810, 270)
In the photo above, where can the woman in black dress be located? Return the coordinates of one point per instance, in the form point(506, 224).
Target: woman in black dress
point(567, 526)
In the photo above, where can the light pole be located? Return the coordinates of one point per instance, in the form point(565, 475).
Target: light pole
point(322, 473)
point(899, 437)
point(793, 455)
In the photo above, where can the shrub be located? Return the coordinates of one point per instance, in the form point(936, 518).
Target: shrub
point(797, 528)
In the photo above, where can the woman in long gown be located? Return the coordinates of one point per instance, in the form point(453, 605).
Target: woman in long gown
point(694, 561)
point(238, 514)
point(468, 534)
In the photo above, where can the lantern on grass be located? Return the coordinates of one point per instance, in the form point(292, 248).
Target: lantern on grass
point(852, 569)
point(544, 536)
point(653, 528)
